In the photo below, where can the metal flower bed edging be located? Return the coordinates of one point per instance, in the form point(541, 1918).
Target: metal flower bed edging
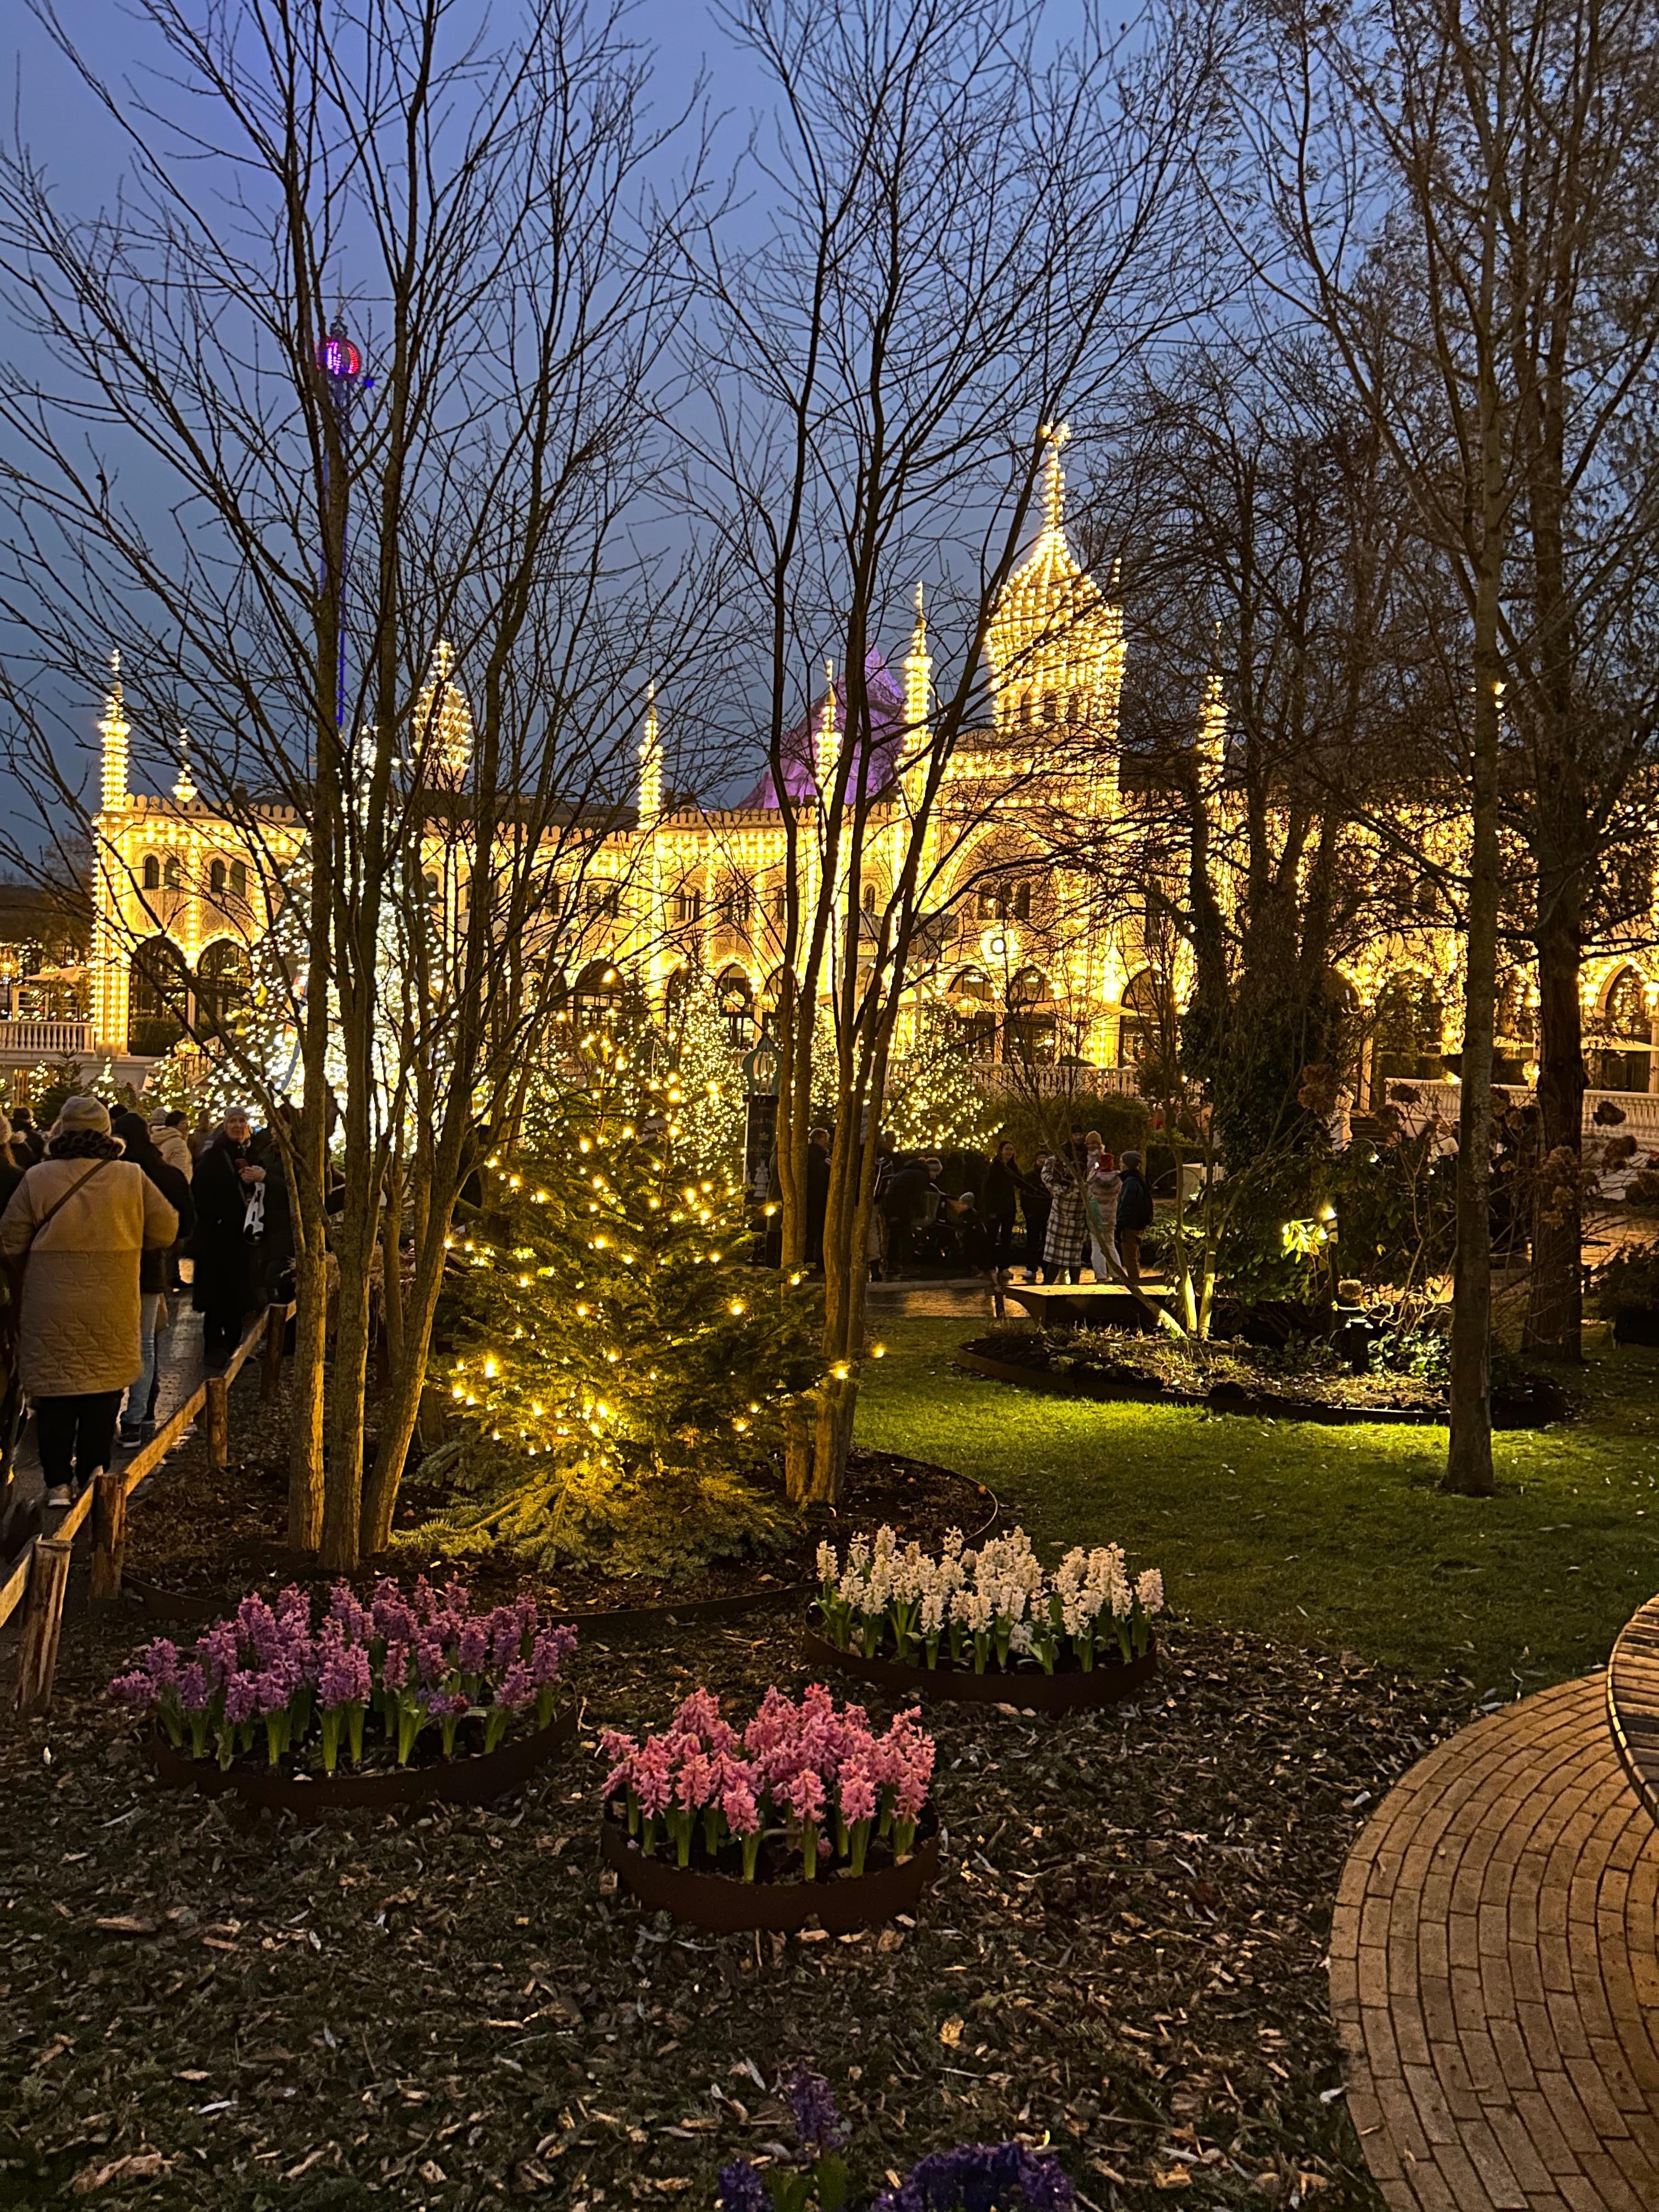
point(1106, 1683)
point(839, 1903)
point(478, 1779)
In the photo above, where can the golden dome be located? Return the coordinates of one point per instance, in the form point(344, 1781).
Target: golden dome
point(1054, 642)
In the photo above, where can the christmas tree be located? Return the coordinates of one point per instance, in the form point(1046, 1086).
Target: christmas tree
point(618, 1369)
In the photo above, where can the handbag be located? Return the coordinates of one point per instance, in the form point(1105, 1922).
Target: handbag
point(11, 1314)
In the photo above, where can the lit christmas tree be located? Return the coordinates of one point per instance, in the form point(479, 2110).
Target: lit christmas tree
point(618, 1369)
point(934, 1097)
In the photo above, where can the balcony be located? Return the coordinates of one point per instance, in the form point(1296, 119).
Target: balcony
point(28, 1042)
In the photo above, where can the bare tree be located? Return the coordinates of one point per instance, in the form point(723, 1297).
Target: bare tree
point(965, 245)
point(1438, 181)
point(311, 509)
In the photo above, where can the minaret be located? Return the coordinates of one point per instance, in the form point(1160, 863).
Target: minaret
point(116, 730)
point(443, 723)
point(829, 742)
point(1213, 731)
point(1054, 436)
point(184, 791)
point(650, 765)
point(918, 680)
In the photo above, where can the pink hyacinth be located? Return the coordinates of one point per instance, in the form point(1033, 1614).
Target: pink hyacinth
point(653, 1783)
point(344, 1677)
point(802, 1793)
point(737, 1804)
point(857, 1792)
point(354, 1618)
point(242, 1699)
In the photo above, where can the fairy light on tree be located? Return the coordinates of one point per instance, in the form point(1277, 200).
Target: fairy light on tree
point(619, 1371)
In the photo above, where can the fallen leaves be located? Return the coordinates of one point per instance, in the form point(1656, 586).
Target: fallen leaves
point(137, 2166)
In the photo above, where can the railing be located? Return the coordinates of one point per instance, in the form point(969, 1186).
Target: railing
point(1003, 1078)
point(1639, 1107)
point(46, 1040)
point(40, 1578)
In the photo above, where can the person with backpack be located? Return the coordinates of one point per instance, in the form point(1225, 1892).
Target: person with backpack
point(1134, 1215)
point(77, 1228)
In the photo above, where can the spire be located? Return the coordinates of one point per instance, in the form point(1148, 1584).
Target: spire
point(443, 722)
point(829, 742)
point(650, 764)
point(918, 676)
point(115, 730)
point(1054, 434)
point(1212, 716)
point(184, 791)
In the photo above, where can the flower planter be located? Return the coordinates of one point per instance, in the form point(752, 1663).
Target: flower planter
point(1067, 1690)
point(839, 1903)
point(478, 1779)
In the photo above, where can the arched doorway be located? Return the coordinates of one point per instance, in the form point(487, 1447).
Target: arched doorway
point(1407, 1036)
point(973, 1005)
point(599, 998)
point(223, 979)
point(1142, 1022)
point(1621, 1056)
point(160, 996)
point(734, 995)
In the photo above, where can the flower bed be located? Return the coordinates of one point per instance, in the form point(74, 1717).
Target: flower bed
point(989, 1626)
point(266, 1679)
point(806, 1813)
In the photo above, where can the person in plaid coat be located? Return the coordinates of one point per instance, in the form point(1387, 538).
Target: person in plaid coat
point(1063, 1176)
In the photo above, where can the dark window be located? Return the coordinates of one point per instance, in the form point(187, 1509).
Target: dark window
point(152, 872)
point(170, 875)
point(217, 879)
point(239, 880)
point(688, 905)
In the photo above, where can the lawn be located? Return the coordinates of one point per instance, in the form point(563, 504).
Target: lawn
point(1337, 1536)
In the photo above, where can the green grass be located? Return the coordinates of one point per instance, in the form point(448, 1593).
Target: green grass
point(1333, 1536)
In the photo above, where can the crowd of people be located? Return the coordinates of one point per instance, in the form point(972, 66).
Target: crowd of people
point(1075, 1204)
point(98, 1218)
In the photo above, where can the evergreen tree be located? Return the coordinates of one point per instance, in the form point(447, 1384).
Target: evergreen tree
point(618, 1369)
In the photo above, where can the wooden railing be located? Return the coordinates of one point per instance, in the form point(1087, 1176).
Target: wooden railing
point(40, 1578)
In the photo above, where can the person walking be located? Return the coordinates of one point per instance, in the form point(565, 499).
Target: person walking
point(1003, 1185)
point(170, 1134)
point(138, 1416)
point(907, 1191)
point(1134, 1215)
point(1101, 1190)
point(1064, 1175)
point(79, 1222)
point(229, 1194)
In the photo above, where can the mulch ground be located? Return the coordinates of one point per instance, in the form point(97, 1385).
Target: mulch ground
point(1124, 1955)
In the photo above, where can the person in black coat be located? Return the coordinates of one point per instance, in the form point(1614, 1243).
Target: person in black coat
point(227, 1262)
point(1134, 1215)
point(138, 1418)
point(818, 1194)
point(1003, 1185)
point(1034, 1201)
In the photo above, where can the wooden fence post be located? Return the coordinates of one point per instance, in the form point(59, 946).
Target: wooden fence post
point(218, 1421)
point(43, 1616)
point(109, 1534)
point(276, 1333)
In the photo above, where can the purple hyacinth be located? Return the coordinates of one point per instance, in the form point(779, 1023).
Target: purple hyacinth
point(160, 1660)
point(740, 2189)
point(137, 1690)
point(216, 1649)
point(472, 1647)
point(515, 1690)
point(343, 1677)
point(431, 1660)
point(978, 2177)
point(812, 2101)
point(354, 1618)
point(444, 1705)
point(194, 1689)
point(551, 1649)
point(242, 1699)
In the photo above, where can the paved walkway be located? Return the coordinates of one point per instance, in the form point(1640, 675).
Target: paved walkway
point(180, 1355)
point(1495, 1971)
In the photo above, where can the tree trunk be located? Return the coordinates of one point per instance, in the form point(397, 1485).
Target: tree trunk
point(305, 1396)
point(1468, 1455)
point(1555, 1305)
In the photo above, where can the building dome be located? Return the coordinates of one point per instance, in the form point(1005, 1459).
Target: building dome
point(1054, 641)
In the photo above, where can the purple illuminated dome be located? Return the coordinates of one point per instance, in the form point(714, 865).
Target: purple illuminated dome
point(878, 752)
point(337, 356)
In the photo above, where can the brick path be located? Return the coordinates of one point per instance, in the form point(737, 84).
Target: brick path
point(1495, 1971)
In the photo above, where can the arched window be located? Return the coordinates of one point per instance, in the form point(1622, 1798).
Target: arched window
point(1516, 1029)
point(170, 875)
point(221, 982)
point(217, 879)
point(1622, 1056)
point(734, 995)
point(239, 880)
point(869, 899)
point(975, 1011)
point(1142, 1024)
point(1028, 1032)
point(152, 872)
